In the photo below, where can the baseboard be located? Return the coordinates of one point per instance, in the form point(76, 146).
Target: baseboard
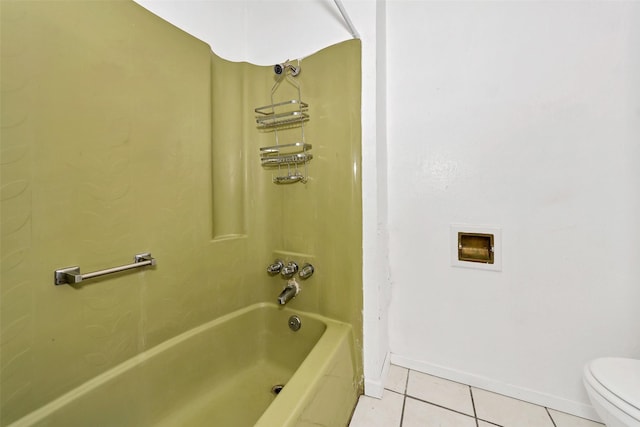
point(554, 402)
point(373, 387)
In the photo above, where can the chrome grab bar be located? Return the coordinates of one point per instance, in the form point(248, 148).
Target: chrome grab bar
point(71, 275)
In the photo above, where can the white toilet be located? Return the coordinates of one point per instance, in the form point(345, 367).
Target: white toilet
point(613, 385)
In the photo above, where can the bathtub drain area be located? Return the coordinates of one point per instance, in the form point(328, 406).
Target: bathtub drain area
point(295, 323)
point(276, 389)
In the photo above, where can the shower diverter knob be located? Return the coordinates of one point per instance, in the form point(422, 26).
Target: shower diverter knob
point(289, 270)
point(306, 271)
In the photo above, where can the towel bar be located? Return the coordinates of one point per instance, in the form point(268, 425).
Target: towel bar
point(71, 275)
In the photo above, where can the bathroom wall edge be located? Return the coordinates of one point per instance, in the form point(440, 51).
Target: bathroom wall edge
point(374, 387)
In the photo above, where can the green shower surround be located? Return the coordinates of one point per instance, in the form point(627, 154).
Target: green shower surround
point(122, 134)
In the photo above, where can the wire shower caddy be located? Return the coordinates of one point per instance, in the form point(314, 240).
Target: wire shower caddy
point(290, 160)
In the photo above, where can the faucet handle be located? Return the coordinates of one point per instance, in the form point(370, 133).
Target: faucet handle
point(306, 271)
point(275, 267)
point(289, 270)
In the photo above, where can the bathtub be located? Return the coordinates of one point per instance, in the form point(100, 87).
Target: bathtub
point(222, 374)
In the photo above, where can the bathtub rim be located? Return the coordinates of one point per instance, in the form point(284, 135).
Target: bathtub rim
point(51, 407)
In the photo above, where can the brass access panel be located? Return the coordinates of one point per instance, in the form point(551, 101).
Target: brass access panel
point(475, 247)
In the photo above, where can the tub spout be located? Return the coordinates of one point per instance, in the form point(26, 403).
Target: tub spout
point(289, 292)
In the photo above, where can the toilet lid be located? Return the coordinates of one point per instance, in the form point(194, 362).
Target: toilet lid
point(620, 376)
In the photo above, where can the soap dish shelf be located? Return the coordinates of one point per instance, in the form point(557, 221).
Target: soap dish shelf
point(290, 156)
point(282, 114)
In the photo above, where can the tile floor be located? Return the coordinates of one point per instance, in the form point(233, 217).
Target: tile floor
point(414, 399)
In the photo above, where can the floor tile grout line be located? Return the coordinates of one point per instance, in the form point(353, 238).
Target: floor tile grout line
point(473, 404)
point(404, 399)
point(406, 382)
point(489, 422)
point(550, 417)
point(388, 389)
point(431, 403)
point(404, 402)
point(403, 393)
point(439, 406)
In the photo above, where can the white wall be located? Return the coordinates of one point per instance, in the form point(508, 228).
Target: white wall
point(525, 116)
point(266, 32)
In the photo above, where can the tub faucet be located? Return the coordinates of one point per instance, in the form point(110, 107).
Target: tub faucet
point(289, 292)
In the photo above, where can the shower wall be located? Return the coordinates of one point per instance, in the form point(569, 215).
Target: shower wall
point(122, 134)
point(320, 221)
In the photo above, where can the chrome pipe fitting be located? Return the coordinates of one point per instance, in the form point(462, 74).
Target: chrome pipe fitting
point(280, 69)
point(289, 270)
point(306, 271)
point(275, 267)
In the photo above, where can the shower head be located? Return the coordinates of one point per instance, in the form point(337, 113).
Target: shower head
point(281, 69)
